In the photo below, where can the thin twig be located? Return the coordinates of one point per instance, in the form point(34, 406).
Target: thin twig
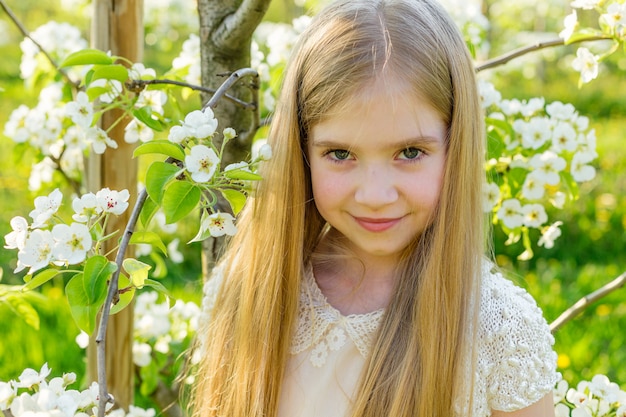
point(503, 59)
point(584, 302)
point(232, 79)
point(26, 34)
point(139, 84)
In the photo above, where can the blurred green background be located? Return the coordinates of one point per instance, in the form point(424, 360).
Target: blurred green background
point(589, 254)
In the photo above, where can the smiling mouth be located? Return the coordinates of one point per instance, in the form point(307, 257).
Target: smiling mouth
point(377, 225)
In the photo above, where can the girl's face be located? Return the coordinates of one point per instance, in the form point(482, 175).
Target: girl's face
point(377, 168)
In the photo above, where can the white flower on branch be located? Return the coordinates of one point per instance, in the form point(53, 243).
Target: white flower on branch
point(570, 23)
point(72, 242)
point(99, 140)
point(564, 137)
point(534, 215)
point(549, 235)
point(510, 214)
point(137, 131)
point(37, 251)
point(534, 186)
point(200, 124)
point(561, 111)
point(587, 64)
point(111, 201)
point(615, 15)
point(85, 208)
point(201, 163)
point(548, 165)
point(45, 208)
point(17, 238)
point(80, 110)
point(491, 196)
point(580, 169)
point(585, 4)
point(219, 224)
point(30, 377)
point(113, 89)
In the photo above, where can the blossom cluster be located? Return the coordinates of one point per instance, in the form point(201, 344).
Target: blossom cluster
point(48, 240)
point(612, 22)
point(596, 398)
point(32, 394)
point(539, 153)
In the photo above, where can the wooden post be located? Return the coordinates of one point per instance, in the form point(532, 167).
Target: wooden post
point(117, 27)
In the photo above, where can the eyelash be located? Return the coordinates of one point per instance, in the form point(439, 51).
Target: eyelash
point(331, 154)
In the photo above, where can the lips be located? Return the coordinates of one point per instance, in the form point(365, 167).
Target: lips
point(377, 224)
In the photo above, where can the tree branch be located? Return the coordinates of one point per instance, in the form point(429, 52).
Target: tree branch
point(238, 27)
point(232, 79)
point(584, 302)
point(503, 59)
point(139, 84)
point(26, 34)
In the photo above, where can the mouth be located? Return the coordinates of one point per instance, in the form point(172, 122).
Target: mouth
point(377, 224)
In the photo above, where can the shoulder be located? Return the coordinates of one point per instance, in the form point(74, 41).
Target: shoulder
point(516, 356)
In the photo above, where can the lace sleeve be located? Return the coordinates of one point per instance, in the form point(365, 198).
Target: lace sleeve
point(518, 354)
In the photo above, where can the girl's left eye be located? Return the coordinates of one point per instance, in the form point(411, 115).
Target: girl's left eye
point(411, 153)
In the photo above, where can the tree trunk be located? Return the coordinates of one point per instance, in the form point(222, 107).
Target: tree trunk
point(117, 27)
point(226, 28)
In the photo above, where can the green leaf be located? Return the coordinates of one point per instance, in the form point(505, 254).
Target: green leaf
point(137, 271)
point(87, 57)
point(110, 72)
point(95, 92)
point(126, 297)
point(243, 175)
point(583, 34)
point(163, 147)
point(148, 238)
point(235, 198)
point(40, 279)
point(158, 175)
point(86, 291)
point(147, 211)
point(158, 286)
point(179, 199)
point(144, 115)
point(23, 309)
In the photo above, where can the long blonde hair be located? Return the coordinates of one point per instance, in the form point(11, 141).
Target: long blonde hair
point(423, 344)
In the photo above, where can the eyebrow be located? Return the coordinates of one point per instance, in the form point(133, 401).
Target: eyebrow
point(404, 143)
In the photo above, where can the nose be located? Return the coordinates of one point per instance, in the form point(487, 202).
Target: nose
point(376, 187)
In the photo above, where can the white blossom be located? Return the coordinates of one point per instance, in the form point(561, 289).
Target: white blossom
point(549, 235)
point(37, 251)
point(491, 196)
point(510, 213)
point(155, 99)
point(72, 242)
point(45, 208)
point(534, 215)
point(564, 137)
point(548, 165)
point(201, 163)
point(80, 110)
point(200, 124)
point(85, 208)
point(138, 71)
point(534, 186)
point(615, 15)
point(585, 4)
point(17, 238)
point(111, 201)
point(219, 224)
point(229, 133)
point(30, 377)
point(580, 169)
point(561, 111)
point(586, 63)
point(7, 392)
point(558, 199)
point(113, 89)
point(142, 354)
point(570, 23)
point(488, 94)
point(16, 127)
point(99, 140)
point(137, 131)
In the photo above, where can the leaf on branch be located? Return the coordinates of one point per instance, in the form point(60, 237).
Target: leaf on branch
point(137, 271)
point(148, 238)
point(147, 211)
point(159, 287)
point(144, 115)
point(40, 279)
point(163, 147)
point(235, 198)
point(86, 291)
point(158, 175)
point(179, 199)
point(87, 57)
point(243, 175)
point(126, 297)
point(110, 72)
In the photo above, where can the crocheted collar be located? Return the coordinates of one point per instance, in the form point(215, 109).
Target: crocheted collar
point(321, 327)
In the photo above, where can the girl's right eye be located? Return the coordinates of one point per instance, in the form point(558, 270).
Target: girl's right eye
point(338, 154)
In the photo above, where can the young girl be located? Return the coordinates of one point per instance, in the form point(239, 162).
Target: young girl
point(357, 284)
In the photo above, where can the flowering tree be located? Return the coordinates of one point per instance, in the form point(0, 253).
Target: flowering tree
point(539, 153)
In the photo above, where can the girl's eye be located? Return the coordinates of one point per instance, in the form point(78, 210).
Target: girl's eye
point(411, 153)
point(339, 154)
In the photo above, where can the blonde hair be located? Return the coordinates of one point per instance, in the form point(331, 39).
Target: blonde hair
point(417, 360)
